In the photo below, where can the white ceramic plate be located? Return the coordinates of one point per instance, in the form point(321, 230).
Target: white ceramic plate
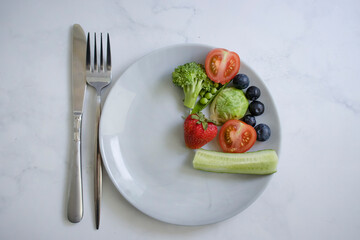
point(142, 144)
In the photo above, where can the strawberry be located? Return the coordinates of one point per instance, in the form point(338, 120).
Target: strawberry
point(198, 131)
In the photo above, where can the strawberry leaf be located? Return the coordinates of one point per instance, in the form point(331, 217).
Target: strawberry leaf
point(201, 120)
point(195, 117)
point(210, 121)
point(204, 125)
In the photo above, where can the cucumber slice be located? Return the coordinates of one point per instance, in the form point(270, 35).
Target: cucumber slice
point(259, 162)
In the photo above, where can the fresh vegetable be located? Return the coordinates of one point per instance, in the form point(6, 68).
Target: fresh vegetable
point(198, 131)
point(236, 136)
point(263, 132)
point(249, 119)
point(203, 101)
point(256, 108)
point(222, 65)
point(208, 95)
point(227, 105)
point(200, 105)
point(230, 103)
point(241, 81)
point(260, 162)
point(253, 93)
point(192, 78)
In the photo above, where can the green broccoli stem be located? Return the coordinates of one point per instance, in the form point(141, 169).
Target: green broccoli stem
point(191, 93)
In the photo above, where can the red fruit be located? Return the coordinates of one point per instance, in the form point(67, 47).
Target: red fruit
point(198, 131)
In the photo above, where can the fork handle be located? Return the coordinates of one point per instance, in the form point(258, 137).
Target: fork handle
point(75, 201)
point(98, 165)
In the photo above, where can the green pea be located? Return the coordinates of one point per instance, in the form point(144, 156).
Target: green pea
point(203, 101)
point(202, 92)
point(216, 85)
point(208, 95)
point(213, 90)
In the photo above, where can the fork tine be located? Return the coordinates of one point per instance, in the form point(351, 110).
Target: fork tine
point(101, 54)
point(88, 61)
point(108, 54)
point(95, 54)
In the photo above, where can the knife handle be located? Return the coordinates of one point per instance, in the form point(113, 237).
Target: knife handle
point(75, 203)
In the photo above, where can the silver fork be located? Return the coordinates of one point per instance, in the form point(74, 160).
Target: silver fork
point(98, 76)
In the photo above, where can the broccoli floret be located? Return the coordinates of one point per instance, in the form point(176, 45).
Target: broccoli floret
point(192, 78)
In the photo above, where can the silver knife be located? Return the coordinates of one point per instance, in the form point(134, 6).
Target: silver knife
point(75, 201)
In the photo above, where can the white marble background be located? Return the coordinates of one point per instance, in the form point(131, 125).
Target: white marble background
point(307, 52)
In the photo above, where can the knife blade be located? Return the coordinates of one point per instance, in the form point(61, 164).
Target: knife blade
point(78, 74)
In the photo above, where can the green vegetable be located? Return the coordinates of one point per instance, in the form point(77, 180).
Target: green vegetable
point(200, 106)
point(208, 95)
point(260, 162)
point(230, 103)
point(192, 78)
point(204, 100)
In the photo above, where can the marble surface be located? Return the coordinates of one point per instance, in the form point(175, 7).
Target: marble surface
point(307, 52)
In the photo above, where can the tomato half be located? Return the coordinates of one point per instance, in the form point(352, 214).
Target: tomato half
point(222, 65)
point(236, 136)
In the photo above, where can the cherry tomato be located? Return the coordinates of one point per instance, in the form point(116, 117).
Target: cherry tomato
point(236, 136)
point(222, 65)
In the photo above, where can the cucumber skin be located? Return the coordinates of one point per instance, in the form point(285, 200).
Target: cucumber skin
point(261, 162)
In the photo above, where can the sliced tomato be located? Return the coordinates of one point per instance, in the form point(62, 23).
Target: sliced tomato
point(222, 65)
point(236, 136)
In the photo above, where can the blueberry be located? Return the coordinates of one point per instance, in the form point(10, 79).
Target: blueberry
point(252, 93)
point(256, 108)
point(249, 119)
point(263, 132)
point(241, 81)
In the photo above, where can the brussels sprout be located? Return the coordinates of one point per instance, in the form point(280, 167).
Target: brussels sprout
point(230, 103)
